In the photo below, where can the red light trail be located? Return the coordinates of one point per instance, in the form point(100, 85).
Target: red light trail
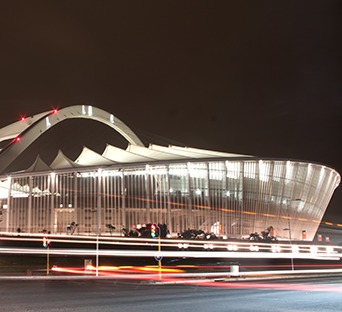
point(107, 272)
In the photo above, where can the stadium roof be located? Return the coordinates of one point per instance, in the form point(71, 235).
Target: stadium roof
point(26, 131)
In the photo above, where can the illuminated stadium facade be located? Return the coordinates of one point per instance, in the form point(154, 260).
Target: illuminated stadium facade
point(228, 194)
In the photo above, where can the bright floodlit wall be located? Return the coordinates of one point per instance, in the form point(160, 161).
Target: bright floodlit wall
point(228, 197)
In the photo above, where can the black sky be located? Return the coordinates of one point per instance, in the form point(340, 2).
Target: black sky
point(260, 78)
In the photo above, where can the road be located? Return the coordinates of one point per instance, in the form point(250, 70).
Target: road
point(124, 295)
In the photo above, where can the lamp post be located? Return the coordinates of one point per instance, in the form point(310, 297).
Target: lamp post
point(97, 242)
point(290, 238)
point(98, 210)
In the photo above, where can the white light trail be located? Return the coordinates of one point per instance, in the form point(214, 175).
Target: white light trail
point(210, 249)
point(169, 254)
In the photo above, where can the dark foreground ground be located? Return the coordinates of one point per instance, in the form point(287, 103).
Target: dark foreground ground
point(124, 295)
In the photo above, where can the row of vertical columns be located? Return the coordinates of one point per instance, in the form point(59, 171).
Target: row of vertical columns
point(294, 215)
point(289, 203)
point(190, 212)
point(308, 192)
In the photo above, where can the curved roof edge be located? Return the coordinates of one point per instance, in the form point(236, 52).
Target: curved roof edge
point(170, 161)
point(29, 132)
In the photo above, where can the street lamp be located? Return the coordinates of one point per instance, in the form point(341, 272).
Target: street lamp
point(97, 242)
point(98, 220)
point(289, 229)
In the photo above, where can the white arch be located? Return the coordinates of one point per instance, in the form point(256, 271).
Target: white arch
point(26, 132)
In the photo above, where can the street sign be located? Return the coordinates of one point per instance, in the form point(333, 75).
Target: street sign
point(158, 256)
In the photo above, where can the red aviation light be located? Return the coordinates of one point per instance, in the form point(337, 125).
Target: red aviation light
point(22, 118)
point(17, 139)
point(55, 111)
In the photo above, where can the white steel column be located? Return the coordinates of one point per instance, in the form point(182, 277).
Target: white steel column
point(209, 197)
point(189, 219)
point(75, 197)
point(242, 196)
point(148, 194)
point(169, 220)
point(98, 227)
point(123, 198)
point(226, 198)
point(99, 202)
point(53, 220)
point(29, 212)
point(8, 203)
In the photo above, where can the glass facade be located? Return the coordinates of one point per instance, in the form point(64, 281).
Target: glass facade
point(229, 197)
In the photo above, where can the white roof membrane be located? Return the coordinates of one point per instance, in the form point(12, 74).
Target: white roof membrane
point(122, 156)
point(134, 153)
point(62, 162)
point(38, 165)
point(157, 155)
point(207, 152)
point(183, 152)
point(91, 158)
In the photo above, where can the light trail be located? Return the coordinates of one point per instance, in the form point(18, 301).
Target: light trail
point(171, 254)
point(181, 244)
point(190, 266)
point(176, 280)
point(122, 273)
point(273, 286)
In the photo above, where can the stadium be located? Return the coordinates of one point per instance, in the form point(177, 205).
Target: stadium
point(230, 195)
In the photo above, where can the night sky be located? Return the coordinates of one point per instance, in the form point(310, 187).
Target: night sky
point(260, 78)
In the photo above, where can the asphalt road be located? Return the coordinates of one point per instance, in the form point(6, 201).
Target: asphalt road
point(124, 295)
